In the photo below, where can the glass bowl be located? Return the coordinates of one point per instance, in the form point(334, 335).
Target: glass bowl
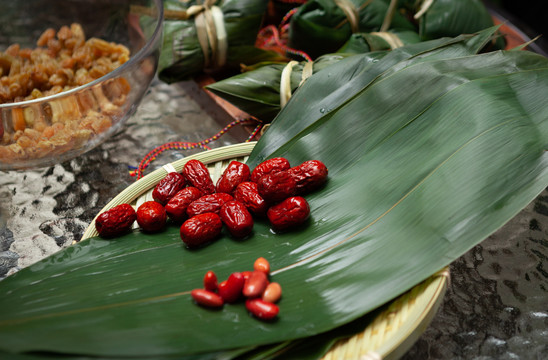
point(43, 129)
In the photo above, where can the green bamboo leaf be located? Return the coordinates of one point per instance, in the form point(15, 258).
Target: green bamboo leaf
point(426, 159)
point(329, 89)
point(257, 92)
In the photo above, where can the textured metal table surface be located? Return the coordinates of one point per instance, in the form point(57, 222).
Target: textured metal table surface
point(496, 306)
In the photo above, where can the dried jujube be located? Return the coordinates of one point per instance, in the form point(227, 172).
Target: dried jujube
point(177, 206)
point(309, 176)
point(115, 221)
point(208, 203)
point(289, 213)
point(168, 187)
point(235, 174)
point(269, 166)
point(196, 174)
point(151, 216)
point(276, 186)
point(201, 229)
point(237, 219)
point(247, 194)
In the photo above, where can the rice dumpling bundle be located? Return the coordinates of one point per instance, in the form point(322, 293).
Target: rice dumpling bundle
point(210, 36)
point(323, 26)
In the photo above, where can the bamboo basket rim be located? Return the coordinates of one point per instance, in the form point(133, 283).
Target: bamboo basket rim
point(388, 336)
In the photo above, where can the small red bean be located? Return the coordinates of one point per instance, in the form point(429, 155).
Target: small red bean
point(210, 281)
point(262, 309)
point(207, 298)
point(231, 289)
point(261, 264)
point(272, 293)
point(255, 285)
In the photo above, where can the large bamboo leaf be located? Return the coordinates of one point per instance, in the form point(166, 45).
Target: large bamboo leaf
point(426, 159)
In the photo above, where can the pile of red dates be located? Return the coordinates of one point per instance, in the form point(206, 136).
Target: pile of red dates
point(273, 190)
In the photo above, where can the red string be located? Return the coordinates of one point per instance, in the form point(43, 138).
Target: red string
point(276, 38)
point(181, 145)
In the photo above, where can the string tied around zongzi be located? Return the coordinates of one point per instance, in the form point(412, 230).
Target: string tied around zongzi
point(425, 5)
point(351, 13)
point(285, 81)
point(393, 40)
point(210, 30)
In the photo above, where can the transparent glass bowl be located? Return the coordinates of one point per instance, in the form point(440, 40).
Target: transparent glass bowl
point(51, 129)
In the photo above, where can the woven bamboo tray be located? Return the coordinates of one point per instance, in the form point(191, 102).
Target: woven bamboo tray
point(388, 336)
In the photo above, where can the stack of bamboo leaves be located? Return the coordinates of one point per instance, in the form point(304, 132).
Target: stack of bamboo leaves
point(430, 149)
point(321, 26)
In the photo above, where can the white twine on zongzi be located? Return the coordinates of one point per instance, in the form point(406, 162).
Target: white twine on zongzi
point(285, 80)
point(392, 39)
point(211, 34)
point(389, 15)
point(285, 83)
point(425, 5)
point(371, 355)
point(308, 70)
point(210, 30)
point(351, 13)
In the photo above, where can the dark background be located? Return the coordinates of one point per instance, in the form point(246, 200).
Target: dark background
point(530, 16)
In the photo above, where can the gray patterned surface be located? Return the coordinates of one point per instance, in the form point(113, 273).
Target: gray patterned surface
point(496, 306)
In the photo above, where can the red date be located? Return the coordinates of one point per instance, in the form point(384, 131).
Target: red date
point(208, 203)
point(176, 208)
point(201, 229)
point(269, 166)
point(151, 216)
point(262, 309)
point(234, 174)
point(276, 186)
point(115, 221)
point(247, 194)
point(309, 176)
point(289, 213)
point(197, 175)
point(237, 219)
point(168, 187)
